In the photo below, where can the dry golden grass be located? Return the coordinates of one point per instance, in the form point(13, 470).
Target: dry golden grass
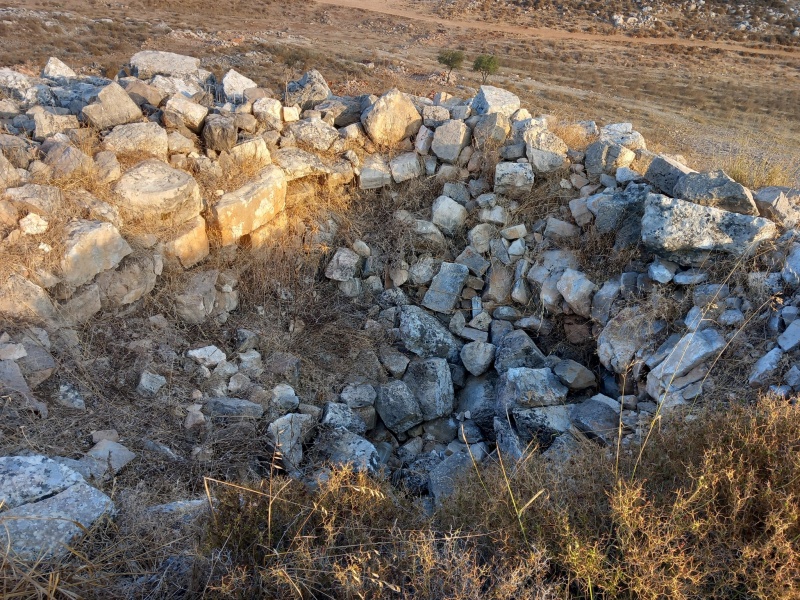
point(574, 136)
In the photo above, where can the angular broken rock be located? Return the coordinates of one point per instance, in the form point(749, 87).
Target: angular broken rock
point(191, 114)
point(445, 289)
point(345, 448)
point(144, 138)
point(391, 119)
point(546, 151)
point(148, 63)
point(513, 179)
point(597, 420)
point(287, 435)
point(106, 457)
point(577, 291)
point(622, 337)
point(233, 407)
point(574, 375)
point(308, 91)
point(430, 382)
point(91, 248)
point(517, 349)
point(490, 99)
point(253, 205)
point(448, 215)
point(113, 107)
point(764, 371)
point(25, 479)
point(449, 139)
point(48, 528)
point(521, 386)
point(478, 357)
point(686, 232)
point(664, 173)
point(398, 408)
point(716, 189)
point(691, 350)
point(343, 266)
point(220, 132)
point(234, 85)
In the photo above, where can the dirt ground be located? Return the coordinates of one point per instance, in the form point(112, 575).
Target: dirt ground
point(704, 99)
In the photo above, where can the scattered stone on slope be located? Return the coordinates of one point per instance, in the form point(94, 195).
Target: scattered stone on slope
point(308, 91)
point(113, 107)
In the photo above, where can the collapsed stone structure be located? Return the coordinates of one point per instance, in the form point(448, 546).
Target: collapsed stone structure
point(459, 373)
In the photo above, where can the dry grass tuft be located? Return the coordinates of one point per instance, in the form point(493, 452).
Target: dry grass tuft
point(574, 135)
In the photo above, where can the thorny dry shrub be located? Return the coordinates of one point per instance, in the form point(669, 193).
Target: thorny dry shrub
point(354, 538)
point(710, 508)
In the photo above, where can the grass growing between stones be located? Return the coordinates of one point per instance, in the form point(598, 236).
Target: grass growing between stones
point(710, 509)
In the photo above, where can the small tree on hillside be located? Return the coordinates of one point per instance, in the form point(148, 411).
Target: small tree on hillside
point(452, 59)
point(486, 65)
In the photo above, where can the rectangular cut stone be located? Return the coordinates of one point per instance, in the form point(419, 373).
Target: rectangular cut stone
point(445, 288)
point(190, 244)
point(244, 210)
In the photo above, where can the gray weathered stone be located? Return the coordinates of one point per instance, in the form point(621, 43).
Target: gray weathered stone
point(546, 151)
point(431, 384)
point(220, 132)
point(577, 291)
point(449, 139)
point(338, 414)
point(525, 387)
point(763, 372)
point(308, 91)
point(153, 189)
point(790, 338)
point(405, 167)
point(91, 247)
point(287, 435)
point(375, 173)
point(398, 408)
point(448, 215)
point(113, 107)
point(149, 63)
point(513, 179)
point(574, 375)
point(445, 289)
point(425, 336)
point(517, 349)
point(47, 528)
point(686, 232)
point(597, 420)
point(391, 119)
point(233, 407)
point(664, 173)
point(234, 85)
point(478, 357)
point(145, 138)
point(345, 448)
point(716, 189)
point(246, 209)
point(492, 99)
point(343, 266)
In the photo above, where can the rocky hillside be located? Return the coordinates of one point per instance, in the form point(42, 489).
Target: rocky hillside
point(482, 283)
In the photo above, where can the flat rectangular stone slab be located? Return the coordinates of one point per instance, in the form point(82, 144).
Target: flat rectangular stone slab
point(446, 288)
